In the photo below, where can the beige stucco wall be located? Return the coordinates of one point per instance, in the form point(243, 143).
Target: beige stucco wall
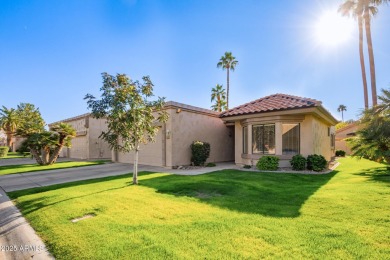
point(98, 148)
point(342, 134)
point(17, 142)
point(189, 126)
point(172, 146)
point(80, 144)
point(87, 144)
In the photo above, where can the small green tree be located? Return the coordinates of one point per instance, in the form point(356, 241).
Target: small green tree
point(131, 116)
point(30, 120)
point(45, 146)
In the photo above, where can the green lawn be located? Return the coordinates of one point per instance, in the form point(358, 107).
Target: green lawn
point(13, 155)
point(222, 215)
point(22, 168)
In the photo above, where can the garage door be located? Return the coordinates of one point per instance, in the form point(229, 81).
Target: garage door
point(150, 154)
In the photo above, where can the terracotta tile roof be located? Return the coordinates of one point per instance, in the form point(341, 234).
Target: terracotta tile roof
point(270, 103)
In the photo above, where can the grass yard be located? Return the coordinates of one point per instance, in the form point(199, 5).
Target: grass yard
point(13, 155)
point(22, 168)
point(221, 215)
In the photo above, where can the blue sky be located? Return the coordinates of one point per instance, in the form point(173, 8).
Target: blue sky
point(53, 52)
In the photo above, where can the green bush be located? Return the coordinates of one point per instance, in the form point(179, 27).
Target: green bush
point(247, 166)
point(4, 151)
point(23, 149)
point(269, 163)
point(211, 164)
point(298, 162)
point(200, 152)
point(316, 162)
point(340, 153)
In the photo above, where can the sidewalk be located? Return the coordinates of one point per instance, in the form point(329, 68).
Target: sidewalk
point(18, 239)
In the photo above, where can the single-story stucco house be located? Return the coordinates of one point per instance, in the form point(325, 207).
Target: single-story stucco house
point(342, 134)
point(86, 144)
point(281, 125)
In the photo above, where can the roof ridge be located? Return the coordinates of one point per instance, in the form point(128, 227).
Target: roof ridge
point(308, 101)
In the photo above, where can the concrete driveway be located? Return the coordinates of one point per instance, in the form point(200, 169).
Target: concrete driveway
point(21, 181)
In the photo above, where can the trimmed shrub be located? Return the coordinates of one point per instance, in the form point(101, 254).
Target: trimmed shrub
point(4, 151)
point(200, 152)
point(247, 166)
point(268, 163)
point(298, 162)
point(316, 162)
point(340, 153)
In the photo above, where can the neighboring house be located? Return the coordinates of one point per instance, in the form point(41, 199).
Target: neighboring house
point(86, 144)
point(185, 125)
point(281, 125)
point(3, 138)
point(344, 133)
point(16, 141)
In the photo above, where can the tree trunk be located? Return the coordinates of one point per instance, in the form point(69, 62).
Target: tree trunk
point(36, 156)
point(135, 167)
point(219, 103)
point(367, 23)
point(45, 152)
point(342, 115)
point(54, 156)
point(227, 89)
point(9, 139)
point(362, 66)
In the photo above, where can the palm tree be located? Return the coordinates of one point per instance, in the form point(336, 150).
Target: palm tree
point(341, 109)
point(9, 122)
point(351, 7)
point(219, 95)
point(228, 62)
point(364, 10)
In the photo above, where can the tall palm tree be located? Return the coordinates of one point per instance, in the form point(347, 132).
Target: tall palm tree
point(365, 10)
point(228, 62)
point(219, 95)
point(351, 7)
point(341, 109)
point(9, 122)
point(370, 9)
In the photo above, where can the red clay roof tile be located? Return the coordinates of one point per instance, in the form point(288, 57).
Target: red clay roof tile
point(274, 102)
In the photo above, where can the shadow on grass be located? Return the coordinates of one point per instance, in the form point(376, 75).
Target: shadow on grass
point(381, 174)
point(269, 194)
point(32, 205)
